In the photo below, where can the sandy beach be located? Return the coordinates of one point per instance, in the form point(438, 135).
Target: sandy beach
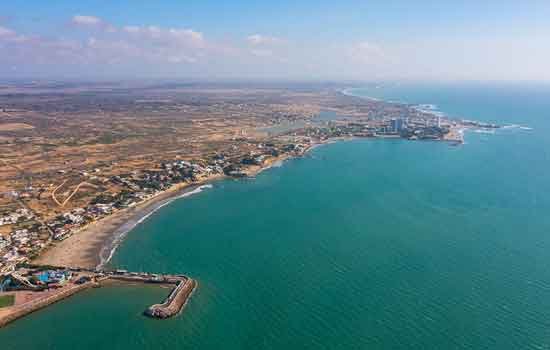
point(93, 245)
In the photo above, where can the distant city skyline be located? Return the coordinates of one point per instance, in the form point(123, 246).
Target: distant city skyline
point(306, 40)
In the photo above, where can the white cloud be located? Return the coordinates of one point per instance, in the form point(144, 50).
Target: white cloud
point(157, 44)
point(258, 39)
point(261, 52)
point(367, 53)
point(6, 32)
point(264, 46)
point(93, 22)
point(9, 35)
point(170, 36)
point(87, 20)
point(153, 31)
point(182, 59)
point(131, 44)
point(131, 29)
point(188, 35)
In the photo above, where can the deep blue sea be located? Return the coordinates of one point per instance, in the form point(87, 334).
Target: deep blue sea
point(364, 244)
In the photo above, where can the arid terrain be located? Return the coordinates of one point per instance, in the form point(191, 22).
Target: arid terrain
point(72, 154)
point(82, 164)
point(60, 144)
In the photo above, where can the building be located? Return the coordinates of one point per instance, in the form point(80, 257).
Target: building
point(396, 125)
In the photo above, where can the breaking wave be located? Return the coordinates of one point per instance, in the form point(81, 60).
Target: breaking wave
point(107, 251)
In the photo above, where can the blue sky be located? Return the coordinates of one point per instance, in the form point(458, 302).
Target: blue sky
point(392, 39)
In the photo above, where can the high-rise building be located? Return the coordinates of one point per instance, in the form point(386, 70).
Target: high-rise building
point(396, 124)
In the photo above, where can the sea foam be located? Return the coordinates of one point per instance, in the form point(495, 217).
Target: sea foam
point(107, 252)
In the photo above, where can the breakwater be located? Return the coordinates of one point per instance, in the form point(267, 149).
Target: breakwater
point(172, 305)
point(175, 301)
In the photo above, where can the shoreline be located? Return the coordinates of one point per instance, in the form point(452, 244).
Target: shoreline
point(170, 306)
point(93, 246)
point(118, 235)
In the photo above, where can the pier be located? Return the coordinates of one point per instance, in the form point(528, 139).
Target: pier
point(174, 303)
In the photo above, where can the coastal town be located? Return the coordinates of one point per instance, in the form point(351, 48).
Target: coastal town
point(274, 175)
point(40, 211)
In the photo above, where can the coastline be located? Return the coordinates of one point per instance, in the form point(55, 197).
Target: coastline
point(172, 305)
point(93, 246)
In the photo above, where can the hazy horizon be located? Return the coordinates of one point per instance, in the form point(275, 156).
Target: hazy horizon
point(306, 41)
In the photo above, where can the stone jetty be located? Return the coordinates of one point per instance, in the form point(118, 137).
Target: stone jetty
point(172, 305)
point(175, 302)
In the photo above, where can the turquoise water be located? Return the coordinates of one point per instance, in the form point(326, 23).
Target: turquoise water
point(368, 244)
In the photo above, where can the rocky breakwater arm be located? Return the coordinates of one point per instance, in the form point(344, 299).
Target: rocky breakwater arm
point(176, 301)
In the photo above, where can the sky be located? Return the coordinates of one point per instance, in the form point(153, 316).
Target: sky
point(286, 39)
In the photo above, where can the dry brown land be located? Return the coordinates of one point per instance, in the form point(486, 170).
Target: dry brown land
point(86, 134)
point(60, 145)
point(14, 126)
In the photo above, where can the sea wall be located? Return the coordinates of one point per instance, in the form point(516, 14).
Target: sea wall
point(172, 305)
point(175, 302)
point(33, 306)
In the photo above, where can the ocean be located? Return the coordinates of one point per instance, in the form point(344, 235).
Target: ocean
point(363, 244)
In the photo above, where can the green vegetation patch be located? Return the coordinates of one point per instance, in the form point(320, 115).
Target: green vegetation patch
point(7, 300)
